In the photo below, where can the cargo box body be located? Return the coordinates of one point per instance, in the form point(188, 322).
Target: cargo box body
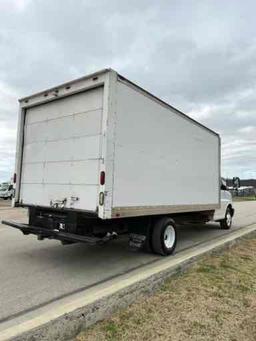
point(156, 160)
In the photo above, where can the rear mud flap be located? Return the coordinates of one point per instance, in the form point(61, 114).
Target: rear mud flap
point(137, 241)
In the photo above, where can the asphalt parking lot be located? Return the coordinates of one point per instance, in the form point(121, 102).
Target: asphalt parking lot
point(4, 204)
point(35, 273)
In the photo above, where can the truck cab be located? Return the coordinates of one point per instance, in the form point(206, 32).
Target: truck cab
point(225, 213)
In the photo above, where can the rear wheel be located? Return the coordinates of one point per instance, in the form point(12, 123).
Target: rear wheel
point(164, 237)
point(226, 223)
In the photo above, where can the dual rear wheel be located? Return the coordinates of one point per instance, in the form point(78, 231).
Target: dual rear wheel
point(164, 237)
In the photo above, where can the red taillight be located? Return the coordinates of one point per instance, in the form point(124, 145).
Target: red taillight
point(14, 178)
point(102, 178)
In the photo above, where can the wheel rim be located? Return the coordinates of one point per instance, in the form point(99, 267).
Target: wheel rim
point(228, 219)
point(169, 236)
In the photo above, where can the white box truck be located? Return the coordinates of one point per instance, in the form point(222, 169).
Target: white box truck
point(100, 156)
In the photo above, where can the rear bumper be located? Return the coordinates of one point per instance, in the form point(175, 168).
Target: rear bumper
point(42, 233)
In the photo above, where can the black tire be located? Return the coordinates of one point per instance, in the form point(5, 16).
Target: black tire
point(160, 236)
point(226, 223)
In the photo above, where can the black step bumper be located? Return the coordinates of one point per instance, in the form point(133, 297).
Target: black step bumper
point(42, 233)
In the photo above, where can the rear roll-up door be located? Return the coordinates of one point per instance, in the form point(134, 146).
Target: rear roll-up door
point(61, 151)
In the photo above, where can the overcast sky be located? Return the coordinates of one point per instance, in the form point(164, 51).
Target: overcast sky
point(200, 56)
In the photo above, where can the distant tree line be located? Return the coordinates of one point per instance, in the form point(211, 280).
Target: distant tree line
point(243, 182)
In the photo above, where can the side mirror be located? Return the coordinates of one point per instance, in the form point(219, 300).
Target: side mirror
point(236, 182)
point(223, 187)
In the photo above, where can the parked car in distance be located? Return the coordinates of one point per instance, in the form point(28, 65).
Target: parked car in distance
point(6, 191)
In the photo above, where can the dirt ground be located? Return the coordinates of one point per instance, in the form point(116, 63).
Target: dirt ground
point(214, 300)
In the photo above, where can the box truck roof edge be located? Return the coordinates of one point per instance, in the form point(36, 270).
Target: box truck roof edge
point(25, 100)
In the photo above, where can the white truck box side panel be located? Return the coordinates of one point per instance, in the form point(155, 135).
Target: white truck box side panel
point(161, 158)
point(61, 151)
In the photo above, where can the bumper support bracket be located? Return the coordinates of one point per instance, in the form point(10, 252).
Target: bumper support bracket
point(54, 234)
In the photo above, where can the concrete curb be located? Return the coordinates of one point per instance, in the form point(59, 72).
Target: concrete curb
point(63, 320)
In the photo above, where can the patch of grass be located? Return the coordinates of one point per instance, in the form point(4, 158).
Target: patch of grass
point(111, 330)
point(249, 198)
point(214, 300)
point(206, 268)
